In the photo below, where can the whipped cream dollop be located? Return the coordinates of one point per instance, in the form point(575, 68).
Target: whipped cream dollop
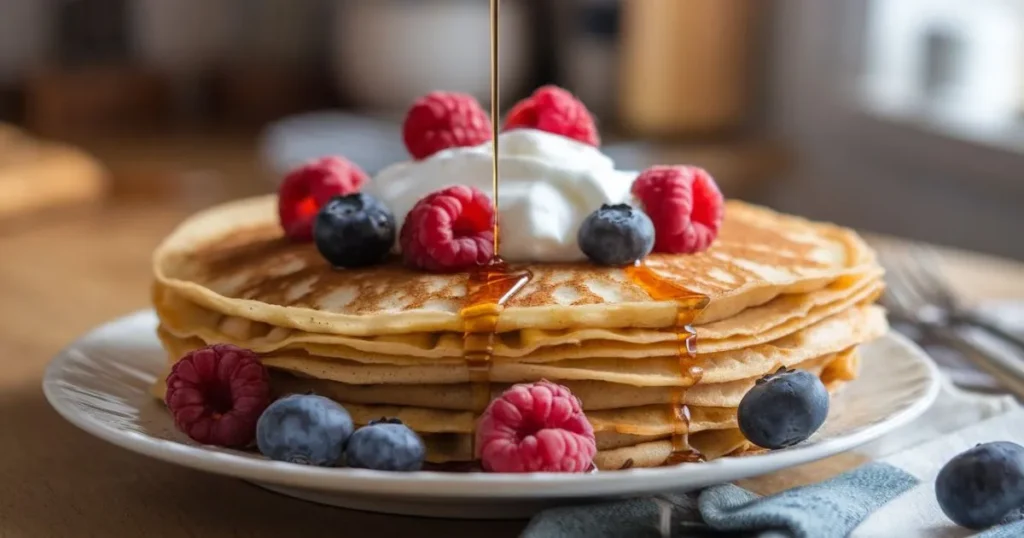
point(549, 185)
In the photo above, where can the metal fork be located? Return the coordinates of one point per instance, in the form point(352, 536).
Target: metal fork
point(906, 303)
point(917, 271)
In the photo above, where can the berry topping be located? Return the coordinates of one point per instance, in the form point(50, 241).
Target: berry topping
point(616, 235)
point(306, 189)
point(979, 487)
point(557, 111)
point(356, 230)
point(304, 428)
point(386, 445)
point(449, 230)
point(783, 408)
point(685, 205)
point(442, 120)
point(217, 394)
point(537, 427)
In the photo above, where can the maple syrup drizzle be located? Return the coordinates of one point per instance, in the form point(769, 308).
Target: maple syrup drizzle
point(689, 305)
point(490, 286)
point(488, 289)
point(495, 9)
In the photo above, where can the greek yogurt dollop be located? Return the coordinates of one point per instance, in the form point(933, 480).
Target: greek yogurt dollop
point(549, 184)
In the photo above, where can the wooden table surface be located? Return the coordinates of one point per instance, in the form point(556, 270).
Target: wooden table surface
point(62, 274)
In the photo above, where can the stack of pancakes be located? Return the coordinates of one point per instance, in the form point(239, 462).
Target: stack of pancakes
point(388, 341)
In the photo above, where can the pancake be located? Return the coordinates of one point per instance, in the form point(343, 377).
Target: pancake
point(232, 259)
point(594, 395)
point(777, 318)
point(841, 331)
point(637, 433)
point(614, 451)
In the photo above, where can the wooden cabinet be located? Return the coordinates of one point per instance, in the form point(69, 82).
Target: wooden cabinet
point(685, 65)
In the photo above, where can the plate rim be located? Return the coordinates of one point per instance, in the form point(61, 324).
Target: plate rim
point(469, 485)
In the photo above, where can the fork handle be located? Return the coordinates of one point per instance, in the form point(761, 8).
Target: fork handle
point(994, 329)
point(1007, 371)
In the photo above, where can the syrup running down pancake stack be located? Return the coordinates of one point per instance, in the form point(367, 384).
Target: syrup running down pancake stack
point(658, 377)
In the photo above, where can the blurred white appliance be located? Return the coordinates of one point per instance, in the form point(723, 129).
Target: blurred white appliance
point(386, 53)
point(961, 62)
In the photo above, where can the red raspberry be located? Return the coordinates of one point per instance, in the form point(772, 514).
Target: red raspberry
point(685, 205)
point(538, 427)
point(449, 230)
point(557, 111)
point(217, 393)
point(307, 188)
point(442, 120)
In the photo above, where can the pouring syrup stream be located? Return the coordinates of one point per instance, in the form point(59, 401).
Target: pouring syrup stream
point(495, 8)
point(491, 286)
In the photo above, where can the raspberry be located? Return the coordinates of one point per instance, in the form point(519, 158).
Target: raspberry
point(217, 394)
point(307, 188)
point(685, 205)
point(442, 120)
point(449, 230)
point(538, 427)
point(557, 111)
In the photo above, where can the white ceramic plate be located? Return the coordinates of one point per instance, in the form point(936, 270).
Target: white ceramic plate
point(100, 383)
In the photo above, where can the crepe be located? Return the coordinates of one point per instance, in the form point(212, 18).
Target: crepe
point(777, 318)
point(846, 329)
point(594, 395)
point(638, 432)
point(232, 259)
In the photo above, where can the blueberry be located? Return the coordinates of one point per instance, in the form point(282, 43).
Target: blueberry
point(979, 487)
point(616, 235)
point(386, 445)
point(783, 408)
point(355, 230)
point(304, 428)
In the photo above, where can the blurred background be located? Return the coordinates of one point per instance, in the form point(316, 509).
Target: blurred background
point(904, 117)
